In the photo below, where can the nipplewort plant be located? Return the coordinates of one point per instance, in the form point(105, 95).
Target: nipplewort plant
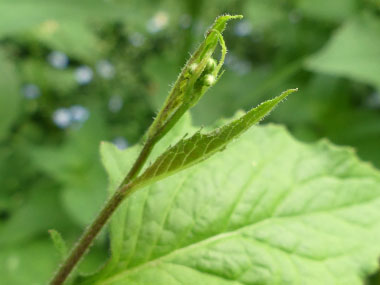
point(269, 210)
point(200, 73)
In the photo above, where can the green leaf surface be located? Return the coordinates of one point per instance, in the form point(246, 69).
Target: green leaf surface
point(199, 147)
point(268, 210)
point(353, 52)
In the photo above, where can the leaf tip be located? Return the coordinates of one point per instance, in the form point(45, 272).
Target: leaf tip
point(287, 93)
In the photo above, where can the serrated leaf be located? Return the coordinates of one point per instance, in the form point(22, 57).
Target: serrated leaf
point(268, 210)
point(118, 163)
point(353, 52)
point(199, 147)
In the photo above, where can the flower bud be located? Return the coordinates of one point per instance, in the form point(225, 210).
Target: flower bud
point(211, 65)
point(209, 80)
point(192, 68)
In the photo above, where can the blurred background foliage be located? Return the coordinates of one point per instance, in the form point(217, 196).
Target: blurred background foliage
point(74, 73)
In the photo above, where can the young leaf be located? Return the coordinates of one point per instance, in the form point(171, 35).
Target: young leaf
point(59, 242)
point(192, 82)
point(268, 210)
point(199, 147)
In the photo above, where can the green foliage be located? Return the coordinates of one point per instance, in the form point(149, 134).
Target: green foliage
point(188, 152)
point(267, 210)
point(51, 177)
point(41, 210)
point(82, 180)
point(32, 261)
point(9, 96)
point(338, 10)
point(199, 73)
point(353, 51)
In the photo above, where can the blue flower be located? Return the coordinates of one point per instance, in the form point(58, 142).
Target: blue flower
point(62, 118)
point(31, 91)
point(58, 59)
point(115, 103)
point(137, 39)
point(120, 142)
point(83, 74)
point(105, 69)
point(79, 113)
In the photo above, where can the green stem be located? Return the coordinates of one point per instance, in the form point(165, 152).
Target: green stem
point(125, 189)
point(89, 235)
point(92, 231)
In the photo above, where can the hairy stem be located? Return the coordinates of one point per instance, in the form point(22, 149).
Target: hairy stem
point(123, 191)
point(176, 104)
point(89, 235)
point(92, 231)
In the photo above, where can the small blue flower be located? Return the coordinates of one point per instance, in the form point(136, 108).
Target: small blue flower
point(62, 118)
point(120, 142)
point(31, 91)
point(105, 69)
point(373, 101)
point(79, 113)
point(137, 39)
point(58, 59)
point(115, 103)
point(83, 74)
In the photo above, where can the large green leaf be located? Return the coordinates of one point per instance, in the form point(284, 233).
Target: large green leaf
point(268, 210)
point(353, 52)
